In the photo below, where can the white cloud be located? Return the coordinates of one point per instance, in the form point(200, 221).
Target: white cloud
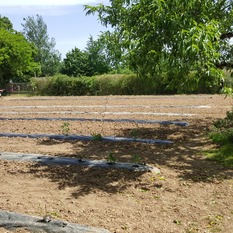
point(48, 2)
point(41, 10)
point(44, 7)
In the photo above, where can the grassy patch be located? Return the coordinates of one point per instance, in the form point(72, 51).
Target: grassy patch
point(20, 95)
point(97, 137)
point(223, 155)
point(222, 135)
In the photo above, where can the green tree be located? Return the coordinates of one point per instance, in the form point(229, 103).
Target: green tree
point(97, 59)
point(6, 23)
point(91, 61)
point(35, 30)
point(75, 63)
point(16, 56)
point(113, 50)
point(173, 36)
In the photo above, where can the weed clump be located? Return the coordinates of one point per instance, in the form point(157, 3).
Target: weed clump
point(222, 135)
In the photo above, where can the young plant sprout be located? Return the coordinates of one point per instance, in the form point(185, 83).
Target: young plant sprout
point(97, 137)
point(111, 158)
point(65, 127)
point(136, 159)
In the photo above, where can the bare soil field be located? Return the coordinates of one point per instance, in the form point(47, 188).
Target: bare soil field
point(190, 194)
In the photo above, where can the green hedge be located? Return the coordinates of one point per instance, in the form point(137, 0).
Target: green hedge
point(62, 85)
point(123, 84)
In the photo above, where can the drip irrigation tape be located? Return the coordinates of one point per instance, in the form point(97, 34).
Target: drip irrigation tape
point(85, 138)
point(101, 120)
point(51, 160)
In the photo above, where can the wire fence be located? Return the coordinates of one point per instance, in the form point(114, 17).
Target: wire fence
point(18, 88)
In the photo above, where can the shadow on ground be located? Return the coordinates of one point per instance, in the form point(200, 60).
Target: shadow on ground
point(185, 157)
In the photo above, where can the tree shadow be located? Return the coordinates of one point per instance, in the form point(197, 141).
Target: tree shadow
point(86, 179)
point(185, 156)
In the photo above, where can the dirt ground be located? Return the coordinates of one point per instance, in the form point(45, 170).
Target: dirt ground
point(191, 194)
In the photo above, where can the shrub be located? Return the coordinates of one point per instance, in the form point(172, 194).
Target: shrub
point(223, 136)
point(62, 85)
point(124, 84)
point(39, 86)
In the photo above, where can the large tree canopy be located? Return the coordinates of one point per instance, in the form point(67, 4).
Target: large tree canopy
point(98, 62)
point(90, 62)
point(35, 30)
point(175, 36)
point(6, 23)
point(16, 53)
point(75, 63)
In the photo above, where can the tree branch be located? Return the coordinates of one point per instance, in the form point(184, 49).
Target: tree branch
point(226, 35)
point(224, 64)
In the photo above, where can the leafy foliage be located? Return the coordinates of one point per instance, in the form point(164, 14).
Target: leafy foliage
point(16, 56)
point(111, 158)
point(35, 30)
point(174, 36)
point(111, 42)
point(97, 137)
point(62, 85)
point(112, 84)
point(76, 63)
point(226, 123)
point(223, 136)
point(92, 61)
point(6, 23)
point(224, 155)
point(98, 63)
point(65, 128)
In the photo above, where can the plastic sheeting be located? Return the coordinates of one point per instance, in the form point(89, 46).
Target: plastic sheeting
point(12, 221)
point(101, 113)
point(50, 160)
point(101, 120)
point(85, 138)
point(105, 106)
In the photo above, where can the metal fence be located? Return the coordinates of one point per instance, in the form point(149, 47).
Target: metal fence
point(18, 88)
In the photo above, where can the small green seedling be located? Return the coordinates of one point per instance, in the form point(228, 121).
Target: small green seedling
point(162, 178)
point(178, 222)
point(111, 158)
point(134, 133)
point(97, 137)
point(65, 127)
point(144, 190)
point(136, 159)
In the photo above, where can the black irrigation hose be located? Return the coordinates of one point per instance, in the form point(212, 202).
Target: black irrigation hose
point(85, 138)
point(101, 120)
point(51, 160)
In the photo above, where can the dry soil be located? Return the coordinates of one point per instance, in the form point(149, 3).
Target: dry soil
point(191, 194)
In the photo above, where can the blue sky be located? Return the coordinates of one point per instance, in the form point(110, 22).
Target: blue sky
point(65, 19)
